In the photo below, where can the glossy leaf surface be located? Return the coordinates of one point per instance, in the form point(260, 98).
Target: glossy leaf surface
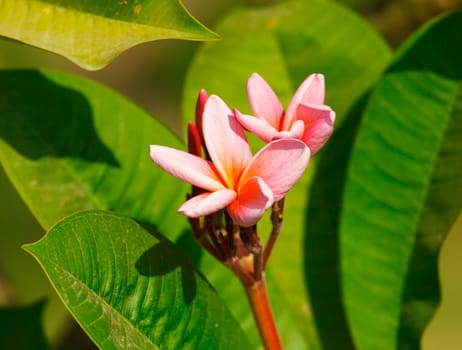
point(129, 288)
point(404, 190)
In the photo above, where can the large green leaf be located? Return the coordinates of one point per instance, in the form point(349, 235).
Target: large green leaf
point(93, 33)
point(404, 191)
point(69, 144)
point(129, 288)
point(284, 43)
point(21, 328)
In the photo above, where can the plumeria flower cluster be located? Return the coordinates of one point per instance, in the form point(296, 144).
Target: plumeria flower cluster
point(231, 187)
point(307, 117)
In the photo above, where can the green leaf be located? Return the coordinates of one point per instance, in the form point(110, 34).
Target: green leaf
point(129, 288)
point(285, 43)
point(21, 329)
point(321, 242)
point(93, 33)
point(404, 191)
point(69, 144)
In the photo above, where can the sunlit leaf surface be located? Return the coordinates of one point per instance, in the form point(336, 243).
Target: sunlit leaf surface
point(93, 33)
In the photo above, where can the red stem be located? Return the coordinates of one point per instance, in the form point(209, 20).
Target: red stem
point(259, 303)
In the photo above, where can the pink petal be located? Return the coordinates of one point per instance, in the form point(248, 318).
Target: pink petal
point(311, 90)
point(280, 164)
point(256, 126)
point(295, 132)
point(207, 203)
point(187, 167)
point(296, 129)
point(319, 125)
point(264, 102)
point(225, 140)
point(253, 198)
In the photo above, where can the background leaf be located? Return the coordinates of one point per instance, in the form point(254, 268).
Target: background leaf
point(129, 288)
point(69, 144)
point(284, 43)
point(93, 33)
point(280, 46)
point(404, 191)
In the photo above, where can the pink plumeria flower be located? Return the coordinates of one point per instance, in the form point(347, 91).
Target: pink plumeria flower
point(307, 117)
point(245, 185)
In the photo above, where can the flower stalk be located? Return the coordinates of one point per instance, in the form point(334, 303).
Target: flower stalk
point(261, 309)
point(240, 249)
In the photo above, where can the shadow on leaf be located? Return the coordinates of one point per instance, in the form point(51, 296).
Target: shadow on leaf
point(163, 258)
point(40, 118)
point(188, 244)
